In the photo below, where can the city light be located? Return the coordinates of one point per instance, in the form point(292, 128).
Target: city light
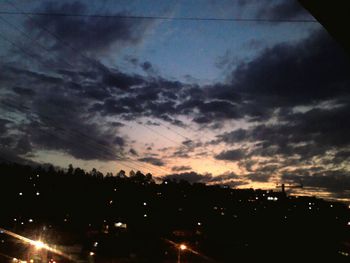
point(38, 244)
point(183, 247)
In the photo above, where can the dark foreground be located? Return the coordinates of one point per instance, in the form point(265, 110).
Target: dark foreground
point(88, 217)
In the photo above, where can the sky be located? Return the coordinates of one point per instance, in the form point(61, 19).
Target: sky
point(241, 103)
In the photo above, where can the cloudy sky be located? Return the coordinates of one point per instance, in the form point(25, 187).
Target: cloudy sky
point(248, 104)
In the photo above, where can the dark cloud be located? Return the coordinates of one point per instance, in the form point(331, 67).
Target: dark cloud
point(284, 9)
point(308, 134)
point(317, 136)
point(287, 9)
point(181, 153)
point(57, 120)
point(146, 66)
point(24, 91)
point(23, 146)
point(7, 155)
point(152, 160)
point(181, 168)
point(252, 93)
point(294, 74)
point(120, 80)
point(231, 155)
point(209, 111)
point(32, 77)
point(341, 156)
point(3, 126)
point(281, 77)
point(83, 33)
point(116, 124)
point(228, 178)
point(192, 144)
point(191, 177)
point(259, 177)
point(133, 152)
point(152, 123)
point(119, 141)
point(336, 181)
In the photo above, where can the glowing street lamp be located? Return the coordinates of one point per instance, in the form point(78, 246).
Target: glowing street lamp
point(182, 247)
point(38, 244)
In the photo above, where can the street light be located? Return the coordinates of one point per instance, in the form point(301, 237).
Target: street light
point(38, 244)
point(182, 247)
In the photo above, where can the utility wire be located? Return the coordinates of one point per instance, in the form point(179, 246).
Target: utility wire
point(95, 144)
point(154, 131)
point(169, 18)
point(120, 158)
point(35, 57)
point(89, 59)
point(47, 50)
point(130, 160)
point(56, 37)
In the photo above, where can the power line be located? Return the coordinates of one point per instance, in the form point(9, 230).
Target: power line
point(80, 53)
point(101, 145)
point(149, 128)
point(96, 142)
point(55, 36)
point(44, 62)
point(89, 59)
point(160, 134)
point(96, 145)
point(47, 50)
point(169, 18)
